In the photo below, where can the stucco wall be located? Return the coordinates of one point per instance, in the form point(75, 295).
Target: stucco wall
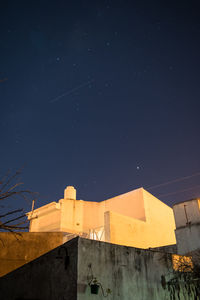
point(168, 249)
point(187, 212)
point(137, 218)
point(18, 249)
point(135, 233)
point(93, 215)
point(53, 276)
point(188, 239)
point(127, 231)
point(156, 231)
point(71, 215)
point(129, 273)
point(46, 218)
point(130, 204)
point(160, 219)
point(187, 218)
point(65, 272)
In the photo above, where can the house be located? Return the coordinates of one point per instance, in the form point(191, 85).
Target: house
point(129, 252)
point(136, 219)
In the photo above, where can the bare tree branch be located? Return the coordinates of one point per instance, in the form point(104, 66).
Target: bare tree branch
point(9, 191)
point(10, 180)
point(12, 220)
point(11, 212)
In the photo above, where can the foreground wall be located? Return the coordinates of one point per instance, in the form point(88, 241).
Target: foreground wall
point(65, 273)
point(128, 273)
point(52, 276)
point(18, 249)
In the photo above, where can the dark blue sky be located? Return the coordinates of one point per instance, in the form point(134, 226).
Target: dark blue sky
point(102, 95)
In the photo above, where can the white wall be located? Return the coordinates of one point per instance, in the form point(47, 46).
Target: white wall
point(187, 218)
point(187, 211)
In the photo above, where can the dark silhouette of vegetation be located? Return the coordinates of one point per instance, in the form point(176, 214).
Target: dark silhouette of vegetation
point(10, 190)
point(183, 280)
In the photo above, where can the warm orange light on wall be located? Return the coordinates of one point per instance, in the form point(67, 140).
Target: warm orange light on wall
point(199, 203)
point(182, 263)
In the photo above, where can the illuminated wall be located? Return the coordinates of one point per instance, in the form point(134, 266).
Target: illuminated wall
point(19, 249)
point(187, 218)
point(156, 230)
point(136, 218)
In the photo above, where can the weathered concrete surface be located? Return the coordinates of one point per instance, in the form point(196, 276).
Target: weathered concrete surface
point(53, 276)
point(187, 219)
point(167, 249)
point(187, 212)
point(18, 249)
point(65, 273)
point(188, 239)
point(129, 273)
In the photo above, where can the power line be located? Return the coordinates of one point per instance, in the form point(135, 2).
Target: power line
point(173, 181)
point(180, 191)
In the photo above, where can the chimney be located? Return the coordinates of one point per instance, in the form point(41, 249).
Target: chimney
point(70, 193)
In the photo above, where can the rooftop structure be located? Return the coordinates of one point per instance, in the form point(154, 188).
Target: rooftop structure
point(187, 218)
point(136, 219)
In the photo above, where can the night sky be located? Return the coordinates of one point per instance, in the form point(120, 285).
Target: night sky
point(101, 95)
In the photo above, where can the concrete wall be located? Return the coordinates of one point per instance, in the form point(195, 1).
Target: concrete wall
point(65, 273)
point(19, 249)
point(93, 215)
point(187, 212)
point(167, 249)
point(156, 231)
point(130, 204)
point(129, 273)
point(160, 219)
point(188, 239)
point(46, 218)
point(187, 218)
point(53, 276)
point(127, 231)
point(135, 233)
point(71, 215)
